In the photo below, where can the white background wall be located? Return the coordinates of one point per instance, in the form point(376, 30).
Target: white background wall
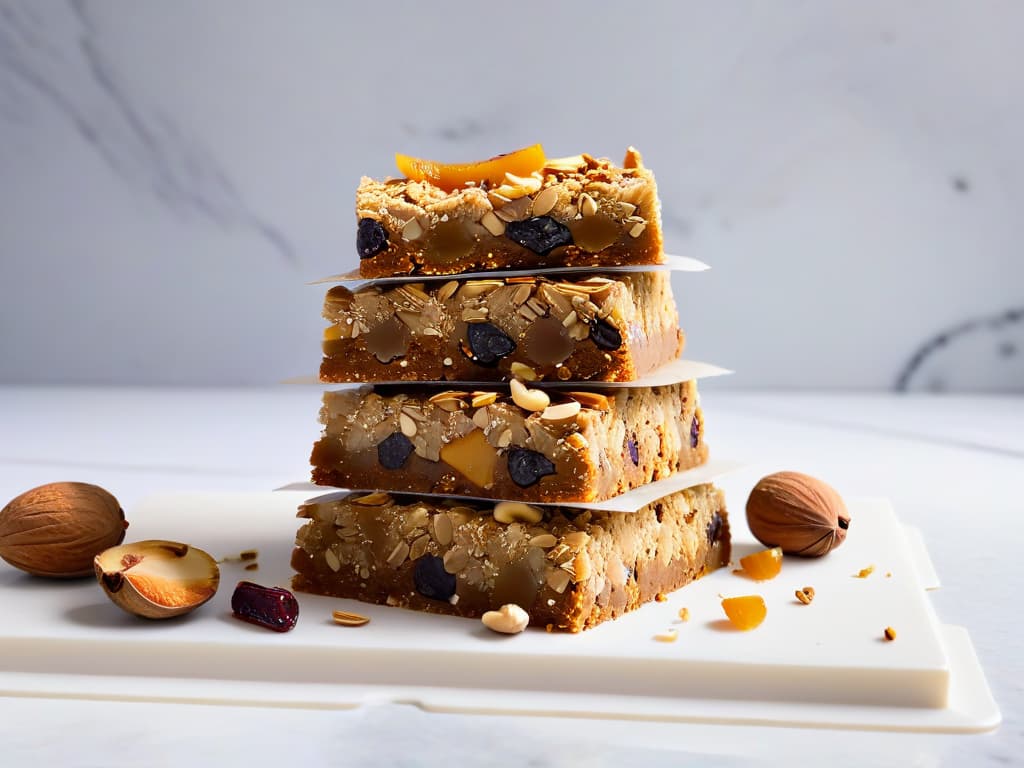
point(172, 173)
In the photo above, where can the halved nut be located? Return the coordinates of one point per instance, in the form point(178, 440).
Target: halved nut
point(157, 579)
point(529, 399)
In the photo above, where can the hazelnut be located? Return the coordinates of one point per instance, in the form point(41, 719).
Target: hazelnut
point(798, 513)
point(56, 530)
point(157, 579)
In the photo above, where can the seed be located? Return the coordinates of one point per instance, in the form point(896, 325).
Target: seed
point(407, 424)
point(493, 224)
point(889, 634)
point(346, 619)
point(545, 201)
point(272, 607)
point(805, 595)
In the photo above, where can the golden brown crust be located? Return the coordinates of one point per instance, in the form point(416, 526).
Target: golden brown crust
point(607, 215)
point(569, 570)
point(585, 328)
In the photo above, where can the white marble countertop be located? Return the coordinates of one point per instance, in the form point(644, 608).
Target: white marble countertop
point(951, 465)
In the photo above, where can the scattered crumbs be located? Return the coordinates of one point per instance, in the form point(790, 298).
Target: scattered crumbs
point(549, 628)
point(448, 361)
point(249, 554)
point(805, 595)
point(684, 614)
point(889, 634)
point(888, 574)
point(863, 573)
point(252, 567)
point(738, 571)
point(668, 636)
point(961, 184)
point(661, 597)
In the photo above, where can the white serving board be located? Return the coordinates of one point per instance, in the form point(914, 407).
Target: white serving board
point(823, 664)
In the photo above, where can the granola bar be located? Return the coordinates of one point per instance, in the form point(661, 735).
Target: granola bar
point(603, 328)
point(569, 569)
point(512, 442)
point(576, 211)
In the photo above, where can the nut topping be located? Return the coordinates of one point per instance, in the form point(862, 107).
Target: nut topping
point(517, 512)
point(509, 620)
point(528, 399)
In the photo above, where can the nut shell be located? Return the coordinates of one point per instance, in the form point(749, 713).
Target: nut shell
point(56, 530)
point(799, 513)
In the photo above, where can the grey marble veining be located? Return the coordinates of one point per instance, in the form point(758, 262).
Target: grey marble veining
point(171, 174)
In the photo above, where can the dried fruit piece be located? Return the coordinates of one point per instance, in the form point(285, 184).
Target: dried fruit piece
point(694, 431)
point(714, 530)
point(431, 578)
point(526, 467)
point(634, 451)
point(449, 176)
point(371, 238)
point(473, 457)
point(541, 234)
point(605, 335)
point(57, 529)
point(745, 612)
point(393, 450)
point(510, 619)
point(272, 607)
point(797, 512)
point(488, 343)
point(157, 579)
point(805, 595)
point(763, 565)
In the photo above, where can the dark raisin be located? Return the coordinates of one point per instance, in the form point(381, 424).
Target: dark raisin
point(393, 450)
point(605, 335)
point(371, 238)
point(541, 234)
point(694, 431)
point(526, 467)
point(488, 343)
point(634, 451)
point(272, 607)
point(714, 528)
point(432, 580)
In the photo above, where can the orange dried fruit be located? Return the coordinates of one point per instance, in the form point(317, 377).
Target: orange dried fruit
point(763, 565)
point(449, 176)
point(746, 612)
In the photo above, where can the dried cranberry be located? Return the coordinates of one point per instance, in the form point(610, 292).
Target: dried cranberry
point(541, 234)
point(393, 450)
point(605, 335)
point(694, 431)
point(634, 451)
point(714, 528)
point(488, 343)
point(432, 580)
point(271, 607)
point(371, 238)
point(526, 467)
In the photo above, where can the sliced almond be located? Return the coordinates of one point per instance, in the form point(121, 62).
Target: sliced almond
point(524, 372)
point(407, 425)
point(562, 412)
point(447, 290)
point(398, 554)
point(375, 499)
point(480, 399)
point(493, 224)
point(545, 201)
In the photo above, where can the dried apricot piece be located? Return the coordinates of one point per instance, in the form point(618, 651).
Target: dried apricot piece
point(746, 612)
point(763, 565)
point(449, 176)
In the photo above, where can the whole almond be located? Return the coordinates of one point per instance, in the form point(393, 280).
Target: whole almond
point(799, 513)
point(56, 530)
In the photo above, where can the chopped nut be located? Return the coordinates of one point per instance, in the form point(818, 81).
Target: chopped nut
point(561, 412)
point(661, 597)
point(543, 540)
point(509, 620)
point(346, 619)
point(529, 399)
point(375, 499)
point(889, 634)
point(493, 224)
point(516, 512)
point(448, 290)
point(684, 614)
point(407, 425)
point(558, 580)
point(588, 207)
point(480, 399)
point(447, 361)
point(412, 230)
point(398, 554)
point(505, 438)
point(545, 201)
point(571, 164)
point(625, 209)
point(805, 595)
point(668, 636)
point(637, 229)
point(524, 372)
point(591, 400)
point(570, 319)
point(481, 419)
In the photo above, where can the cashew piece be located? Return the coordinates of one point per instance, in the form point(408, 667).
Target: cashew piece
point(510, 620)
